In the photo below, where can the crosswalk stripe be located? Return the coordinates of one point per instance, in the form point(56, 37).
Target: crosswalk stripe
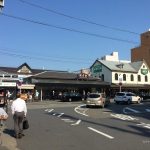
point(123, 117)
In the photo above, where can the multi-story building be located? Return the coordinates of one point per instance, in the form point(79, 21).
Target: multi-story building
point(143, 51)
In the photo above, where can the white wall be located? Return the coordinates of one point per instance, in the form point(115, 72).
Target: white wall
point(128, 75)
point(109, 76)
point(107, 73)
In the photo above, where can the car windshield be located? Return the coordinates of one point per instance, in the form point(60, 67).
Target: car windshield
point(131, 94)
point(94, 95)
point(120, 94)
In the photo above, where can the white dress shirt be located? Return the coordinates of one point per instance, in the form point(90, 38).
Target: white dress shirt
point(19, 105)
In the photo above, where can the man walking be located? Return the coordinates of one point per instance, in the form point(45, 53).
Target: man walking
point(19, 111)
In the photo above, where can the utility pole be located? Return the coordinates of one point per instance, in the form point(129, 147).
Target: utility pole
point(1, 4)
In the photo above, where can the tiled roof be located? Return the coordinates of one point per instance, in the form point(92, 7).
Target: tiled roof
point(116, 66)
point(55, 75)
point(136, 65)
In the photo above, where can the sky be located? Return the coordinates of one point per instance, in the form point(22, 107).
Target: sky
point(69, 35)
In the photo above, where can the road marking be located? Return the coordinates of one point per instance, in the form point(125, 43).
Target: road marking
point(123, 117)
point(130, 109)
point(67, 120)
point(50, 110)
point(78, 109)
point(61, 114)
point(77, 123)
point(148, 110)
point(144, 125)
point(102, 133)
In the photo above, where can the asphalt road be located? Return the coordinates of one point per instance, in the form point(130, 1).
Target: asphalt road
point(72, 126)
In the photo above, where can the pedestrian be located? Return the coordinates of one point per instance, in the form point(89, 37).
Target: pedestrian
point(3, 110)
point(19, 112)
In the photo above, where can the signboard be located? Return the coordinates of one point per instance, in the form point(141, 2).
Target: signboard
point(7, 84)
point(97, 68)
point(144, 71)
point(26, 86)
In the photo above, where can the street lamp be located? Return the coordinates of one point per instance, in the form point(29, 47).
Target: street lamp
point(120, 82)
point(1, 4)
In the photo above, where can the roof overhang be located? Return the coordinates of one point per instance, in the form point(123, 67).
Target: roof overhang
point(69, 82)
point(137, 86)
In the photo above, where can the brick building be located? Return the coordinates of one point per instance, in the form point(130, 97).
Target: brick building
point(143, 51)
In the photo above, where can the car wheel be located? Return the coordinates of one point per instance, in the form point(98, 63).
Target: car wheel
point(138, 101)
point(117, 102)
point(128, 102)
point(103, 105)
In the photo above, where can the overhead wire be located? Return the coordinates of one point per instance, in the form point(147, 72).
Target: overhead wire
point(68, 29)
point(47, 56)
point(78, 19)
point(41, 58)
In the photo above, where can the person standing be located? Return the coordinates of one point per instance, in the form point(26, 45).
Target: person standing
point(19, 111)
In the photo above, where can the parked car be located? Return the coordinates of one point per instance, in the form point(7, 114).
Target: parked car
point(127, 97)
point(97, 99)
point(71, 96)
point(145, 97)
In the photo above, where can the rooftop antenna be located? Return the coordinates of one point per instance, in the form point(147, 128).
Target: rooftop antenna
point(1, 5)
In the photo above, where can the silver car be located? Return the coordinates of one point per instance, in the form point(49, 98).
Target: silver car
point(97, 99)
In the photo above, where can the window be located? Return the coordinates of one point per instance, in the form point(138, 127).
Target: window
point(139, 78)
point(146, 79)
point(124, 77)
point(116, 76)
point(14, 76)
point(102, 77)
point(132, 77)
point(7, 76)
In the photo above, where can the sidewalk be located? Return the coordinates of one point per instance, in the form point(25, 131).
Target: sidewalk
point(8, 142)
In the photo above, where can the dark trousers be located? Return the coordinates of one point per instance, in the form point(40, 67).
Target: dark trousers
point(18, 119)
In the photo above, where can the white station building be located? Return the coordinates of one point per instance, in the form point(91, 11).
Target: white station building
point(131, 76)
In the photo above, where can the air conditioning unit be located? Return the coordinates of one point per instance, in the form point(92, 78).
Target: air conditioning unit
point(1, 3)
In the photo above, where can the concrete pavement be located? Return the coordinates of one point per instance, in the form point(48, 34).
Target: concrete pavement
point(8, 141)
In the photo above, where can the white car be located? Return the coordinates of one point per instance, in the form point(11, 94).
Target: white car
point(127, 97)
